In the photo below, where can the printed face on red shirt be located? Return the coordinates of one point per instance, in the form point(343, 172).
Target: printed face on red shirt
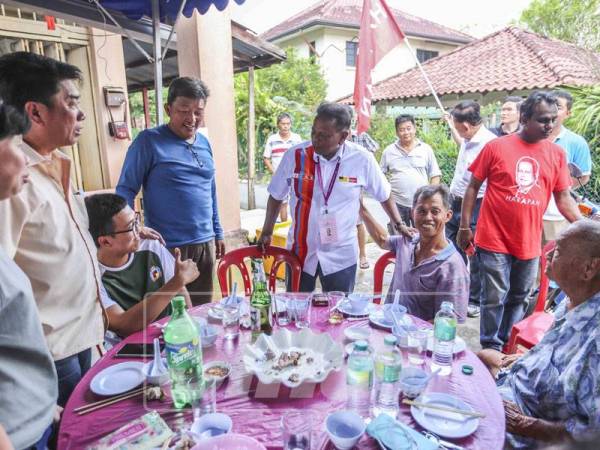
point(541, 123)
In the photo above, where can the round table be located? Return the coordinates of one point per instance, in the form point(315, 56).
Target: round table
point(256, 409)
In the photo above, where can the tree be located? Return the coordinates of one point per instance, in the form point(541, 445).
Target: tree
point(295, 86)
point(575, 21)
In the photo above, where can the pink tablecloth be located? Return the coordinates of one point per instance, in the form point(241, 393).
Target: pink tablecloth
point(256, 409)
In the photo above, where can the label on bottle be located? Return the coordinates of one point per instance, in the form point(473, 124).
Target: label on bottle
point(445, 329)
point(184, 356)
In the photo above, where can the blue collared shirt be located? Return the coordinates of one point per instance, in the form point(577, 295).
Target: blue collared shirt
point(559, 379)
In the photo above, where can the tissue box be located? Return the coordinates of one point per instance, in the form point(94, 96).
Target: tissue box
point(147, 432)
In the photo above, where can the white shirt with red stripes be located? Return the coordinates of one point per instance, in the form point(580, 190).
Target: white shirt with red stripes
point(297, 176)
point(276, 146)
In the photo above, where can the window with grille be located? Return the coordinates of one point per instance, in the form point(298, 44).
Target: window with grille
point(424, 55)
point(351, 51)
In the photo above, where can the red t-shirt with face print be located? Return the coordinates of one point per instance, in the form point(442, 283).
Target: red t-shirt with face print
point(521, 177)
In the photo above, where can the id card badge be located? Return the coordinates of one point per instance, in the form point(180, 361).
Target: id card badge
point(328, 229)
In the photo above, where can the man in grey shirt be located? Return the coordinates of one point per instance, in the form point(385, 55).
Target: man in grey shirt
point(28, 385)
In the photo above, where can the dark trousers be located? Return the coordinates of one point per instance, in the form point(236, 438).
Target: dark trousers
point(70, 370)
point(203, 254)
point(451, 231)
point(342, 280)
point(405, 214)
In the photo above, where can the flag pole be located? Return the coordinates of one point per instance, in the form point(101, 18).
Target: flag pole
point(427, 80)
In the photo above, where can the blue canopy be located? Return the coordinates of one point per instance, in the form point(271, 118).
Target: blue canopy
point(136, 9)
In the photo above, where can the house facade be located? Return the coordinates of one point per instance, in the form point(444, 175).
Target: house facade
point(328, 31)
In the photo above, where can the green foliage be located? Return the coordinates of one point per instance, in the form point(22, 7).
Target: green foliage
point(585, 120)
point(575, 21)
point(295, 86)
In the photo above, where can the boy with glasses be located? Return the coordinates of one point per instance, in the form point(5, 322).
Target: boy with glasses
point(140, 276)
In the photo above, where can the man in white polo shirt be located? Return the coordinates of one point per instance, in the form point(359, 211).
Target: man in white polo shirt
point(326, 176)
point(411, 164)
point(276, 146)
point(468, 123)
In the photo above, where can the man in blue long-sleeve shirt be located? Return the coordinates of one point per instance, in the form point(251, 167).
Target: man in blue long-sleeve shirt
point(174, 165)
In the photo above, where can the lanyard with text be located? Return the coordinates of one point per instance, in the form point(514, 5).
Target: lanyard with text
point(327, 222)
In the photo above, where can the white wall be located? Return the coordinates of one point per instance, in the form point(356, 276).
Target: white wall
point(331, 47)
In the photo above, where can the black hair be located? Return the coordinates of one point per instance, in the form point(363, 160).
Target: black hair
point(282, 116)
point(514, 99)
point(27, 77)
point(336, 112)
point(101, 209)
point(559, 93)
point(188, 87)
point(404, 118)
point(467, 111)
point(429, 190)
point(12, 122)
point(534, 99)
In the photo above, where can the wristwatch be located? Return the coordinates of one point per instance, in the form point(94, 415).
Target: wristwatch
point(398, 226)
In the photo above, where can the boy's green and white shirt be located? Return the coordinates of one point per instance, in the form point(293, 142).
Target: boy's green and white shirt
point(146, 271)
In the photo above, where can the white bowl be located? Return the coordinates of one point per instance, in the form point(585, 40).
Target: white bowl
point(157, 380)
point(218, 379)
point(358, 333)
point(358, 302)
point(345, 429)
point(213, 424)
point(208, 332)
point(412, 381)
point(320, 354)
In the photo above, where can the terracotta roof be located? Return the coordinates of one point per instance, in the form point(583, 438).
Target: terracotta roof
point(509, 60)
point(346, 13)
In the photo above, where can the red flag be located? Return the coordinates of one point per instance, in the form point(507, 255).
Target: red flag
point(379, 33)
point(50, 23)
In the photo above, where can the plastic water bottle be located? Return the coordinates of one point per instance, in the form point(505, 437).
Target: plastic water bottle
point(184, 353)
point(388, 365)
point(359, 378)
point(444, 334)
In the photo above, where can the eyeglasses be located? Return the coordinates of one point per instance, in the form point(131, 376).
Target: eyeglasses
point(135, 226)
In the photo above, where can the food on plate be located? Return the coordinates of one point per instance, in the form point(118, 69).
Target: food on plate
point(217, 371)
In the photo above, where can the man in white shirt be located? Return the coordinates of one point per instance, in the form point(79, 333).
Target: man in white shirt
point(468, 124)
point(325, 177)
point(410, 163)
point(276, 146)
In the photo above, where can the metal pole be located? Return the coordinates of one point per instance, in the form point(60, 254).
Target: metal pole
point(146, 104)
point(157, 62)
point(427, 80)
point(251, 139)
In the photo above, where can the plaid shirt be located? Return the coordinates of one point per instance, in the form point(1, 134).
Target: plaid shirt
point(366, 141)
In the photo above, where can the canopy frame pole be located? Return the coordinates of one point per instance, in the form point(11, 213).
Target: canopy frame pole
point(251, 139)
point(179, 13)
point(157, 62)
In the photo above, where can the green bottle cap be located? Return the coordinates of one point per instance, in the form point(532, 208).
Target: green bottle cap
point(178, 302)
point(390, 339)
point(361, 345)
point(467, 370)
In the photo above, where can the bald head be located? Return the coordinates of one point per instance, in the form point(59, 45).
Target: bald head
point(582, 238)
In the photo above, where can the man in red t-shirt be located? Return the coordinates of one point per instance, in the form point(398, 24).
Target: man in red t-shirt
point(522, 171)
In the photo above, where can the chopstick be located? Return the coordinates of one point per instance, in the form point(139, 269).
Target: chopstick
point(107, 401)
point(443, 408)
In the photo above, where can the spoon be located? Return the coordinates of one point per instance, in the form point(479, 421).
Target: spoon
point(431, 375)
point(441, 443)
point(158, 368)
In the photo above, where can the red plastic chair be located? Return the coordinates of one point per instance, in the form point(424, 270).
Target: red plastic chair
point(383, 261)
point(529, 331)
point(236, 258)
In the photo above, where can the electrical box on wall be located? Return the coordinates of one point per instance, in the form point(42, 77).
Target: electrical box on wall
point(114, 97)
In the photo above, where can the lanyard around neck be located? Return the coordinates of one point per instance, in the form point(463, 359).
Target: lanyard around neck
point(327, 194)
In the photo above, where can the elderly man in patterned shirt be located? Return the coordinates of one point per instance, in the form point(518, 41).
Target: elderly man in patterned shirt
point(552, 392)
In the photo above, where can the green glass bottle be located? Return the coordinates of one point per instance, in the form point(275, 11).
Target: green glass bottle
point(184, 353)
point(260, 301)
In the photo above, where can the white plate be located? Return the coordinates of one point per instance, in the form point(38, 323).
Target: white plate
point(358, 332)
point(377, 318)
point(117, 379)
point(445, 424)
point(459, 344)
point(346, 308)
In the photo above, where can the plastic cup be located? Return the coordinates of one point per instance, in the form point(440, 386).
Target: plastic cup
point(334, 299)
point(296, 428)
point(417, 346)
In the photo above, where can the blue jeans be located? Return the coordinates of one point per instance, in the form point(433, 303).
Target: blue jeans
point(337, 281)
point(506, 282)
point(70, 370)
point(451, 231)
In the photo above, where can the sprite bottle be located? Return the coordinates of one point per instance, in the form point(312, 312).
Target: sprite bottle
point(260, 301)
point(184, 353)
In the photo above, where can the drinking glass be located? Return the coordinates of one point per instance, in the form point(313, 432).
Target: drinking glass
point(203, 396)
point(281, 309)
point(417, 346)
point(296, 427)
point(300, 307)
point(334, 299)
point(231, 321)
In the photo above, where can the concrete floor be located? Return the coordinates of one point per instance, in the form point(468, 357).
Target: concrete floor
point(253, 219)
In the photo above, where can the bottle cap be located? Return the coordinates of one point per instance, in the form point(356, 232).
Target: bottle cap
point(467, 370)
point(390, 339)
point(361, 345)
point(178, 301)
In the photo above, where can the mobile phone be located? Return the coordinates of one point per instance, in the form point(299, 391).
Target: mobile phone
point(319, 299)
point(137, 351)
